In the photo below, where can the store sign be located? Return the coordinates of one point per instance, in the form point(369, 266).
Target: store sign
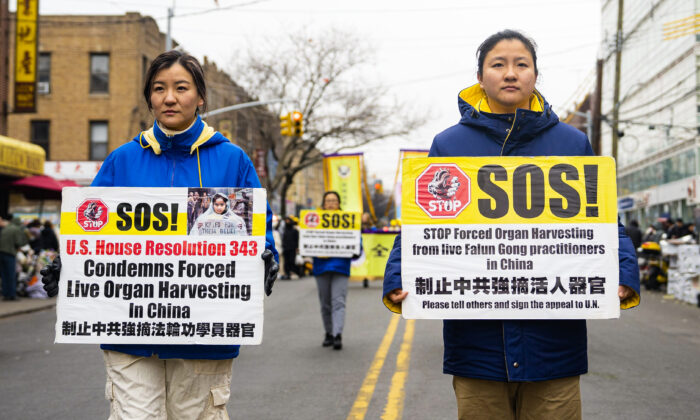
point(26, 55)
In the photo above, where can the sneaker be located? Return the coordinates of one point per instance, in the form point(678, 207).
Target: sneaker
point(328, 341)
point(337, 342)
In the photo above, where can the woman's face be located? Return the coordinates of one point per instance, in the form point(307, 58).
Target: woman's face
point(219, 205)
point(331, 202)
point(174, 98)
point(508, 76)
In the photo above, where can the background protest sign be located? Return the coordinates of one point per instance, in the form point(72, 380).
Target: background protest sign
point(161, 266)
point(329, 233)
point(510, 238)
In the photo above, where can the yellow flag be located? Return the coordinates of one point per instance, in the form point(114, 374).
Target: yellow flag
point(342, 173)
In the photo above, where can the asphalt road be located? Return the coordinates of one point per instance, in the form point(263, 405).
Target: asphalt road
point(644, 366)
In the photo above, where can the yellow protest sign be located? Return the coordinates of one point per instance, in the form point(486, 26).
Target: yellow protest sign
point(496, 190)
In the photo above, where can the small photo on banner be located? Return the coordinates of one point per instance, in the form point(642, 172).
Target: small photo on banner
point(343, 174)
point(220, 211)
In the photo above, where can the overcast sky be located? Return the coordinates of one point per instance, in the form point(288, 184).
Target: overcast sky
point(425, 51)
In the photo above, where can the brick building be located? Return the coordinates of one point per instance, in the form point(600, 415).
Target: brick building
point(91, 71)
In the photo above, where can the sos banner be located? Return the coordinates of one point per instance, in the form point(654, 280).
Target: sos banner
point(510, 238)
point(161, 266)
point(329, 233)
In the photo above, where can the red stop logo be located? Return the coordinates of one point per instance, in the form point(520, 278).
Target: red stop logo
point(311, 220)
point(443, 190)
point(92, 215)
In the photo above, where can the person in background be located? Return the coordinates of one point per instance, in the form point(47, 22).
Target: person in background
point(677, 230)
point(12, 238)
point(634, 233)
point(513, 369)
point(332, 276)
point(34, 232)
point(290, 248)
point(48, 237)
point(146, 381)
point(691, 231)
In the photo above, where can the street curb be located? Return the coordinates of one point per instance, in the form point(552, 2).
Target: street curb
point(28, 310)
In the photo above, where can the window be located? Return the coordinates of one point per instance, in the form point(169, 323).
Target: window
point(98, 140)
point(99, 73)
point(43, 86)
point(39, 133)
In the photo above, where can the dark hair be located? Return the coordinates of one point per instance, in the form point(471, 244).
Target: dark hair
point(494, 39)
point(327, 193)
point(165, 61)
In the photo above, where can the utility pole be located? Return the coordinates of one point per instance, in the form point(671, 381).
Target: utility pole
point(616, 91)
point(595, 107)
point(169, 36)
point(4, 63)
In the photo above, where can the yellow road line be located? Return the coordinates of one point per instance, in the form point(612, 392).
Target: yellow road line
point(393, 410)
point(359, 408)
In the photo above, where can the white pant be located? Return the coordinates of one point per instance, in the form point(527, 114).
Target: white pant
point(152, 388)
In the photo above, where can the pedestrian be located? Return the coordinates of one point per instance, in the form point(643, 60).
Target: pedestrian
point(48, 237)
point(290, 248)
point(634, 233)
point(677, 230)
point(12, 238)
point(174, 381)
point(506, 369)
point(332, 276)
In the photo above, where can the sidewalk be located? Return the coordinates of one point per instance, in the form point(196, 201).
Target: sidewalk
point(24, 305)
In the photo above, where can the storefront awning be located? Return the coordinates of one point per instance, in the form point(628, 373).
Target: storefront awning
point(19, 158)
point(41, 187)
point(43, 182)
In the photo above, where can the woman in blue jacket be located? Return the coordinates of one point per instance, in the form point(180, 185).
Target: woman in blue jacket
point(180, 150)
point(332, 276)
point(513, 369)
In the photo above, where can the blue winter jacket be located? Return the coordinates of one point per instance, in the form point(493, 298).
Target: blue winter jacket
point(512, 350)
point(198, 157)
point(335, 265)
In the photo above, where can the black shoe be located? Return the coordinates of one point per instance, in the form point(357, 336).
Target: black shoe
point(337, 342)
point(328, 341)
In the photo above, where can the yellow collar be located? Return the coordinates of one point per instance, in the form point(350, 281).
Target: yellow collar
point(152, 142)
point(476, 97)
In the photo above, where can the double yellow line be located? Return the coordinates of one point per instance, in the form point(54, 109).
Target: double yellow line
point(393, 409)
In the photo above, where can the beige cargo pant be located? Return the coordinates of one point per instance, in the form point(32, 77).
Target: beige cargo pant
point(168, 389)
point(554, 399)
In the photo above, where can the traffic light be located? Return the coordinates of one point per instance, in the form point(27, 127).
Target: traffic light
point(286, 125)
point(297, 123)
point(378, 188)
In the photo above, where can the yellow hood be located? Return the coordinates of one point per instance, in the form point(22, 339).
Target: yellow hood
point(150, 139)
point(476, 97)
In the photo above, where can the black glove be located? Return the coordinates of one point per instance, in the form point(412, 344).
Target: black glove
point(271, 269)
point(50, 275)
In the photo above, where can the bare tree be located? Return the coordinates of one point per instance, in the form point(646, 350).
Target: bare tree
point(327, 77)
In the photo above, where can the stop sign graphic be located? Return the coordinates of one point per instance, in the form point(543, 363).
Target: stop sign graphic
point(443, 190)
point(311, 220)
point(92, 215)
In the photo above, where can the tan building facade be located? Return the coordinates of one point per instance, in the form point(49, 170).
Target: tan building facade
point(91, 70)
point(90, 101)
